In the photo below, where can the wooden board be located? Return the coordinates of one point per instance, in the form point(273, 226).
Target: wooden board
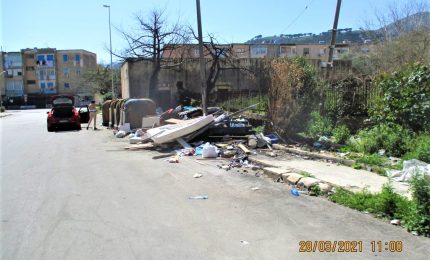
point(140, 146)
point(170, 133)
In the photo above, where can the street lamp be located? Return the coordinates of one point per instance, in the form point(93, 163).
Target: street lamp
point(1, 98)
point(110, 41)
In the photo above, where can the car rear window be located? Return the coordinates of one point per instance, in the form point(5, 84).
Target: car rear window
point(62, 101)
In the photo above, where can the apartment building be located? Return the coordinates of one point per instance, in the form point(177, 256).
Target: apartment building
point(33, 76)
point(258, 51)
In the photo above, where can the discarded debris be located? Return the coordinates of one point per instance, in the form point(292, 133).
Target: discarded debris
point(255, 188)
point(174, 159)
point(244, 242)
point(197, 175)
point(295, 192)
point(202, 197)
point(163, 156)
point(395, 222)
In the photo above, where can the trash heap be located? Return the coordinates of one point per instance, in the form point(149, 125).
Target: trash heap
point(228, 138)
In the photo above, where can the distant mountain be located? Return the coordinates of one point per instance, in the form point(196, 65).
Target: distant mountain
point(410, 23)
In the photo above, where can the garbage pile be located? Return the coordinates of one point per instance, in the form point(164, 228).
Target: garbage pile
point(185, 130)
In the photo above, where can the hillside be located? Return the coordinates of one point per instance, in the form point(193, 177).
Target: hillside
point(411, 23)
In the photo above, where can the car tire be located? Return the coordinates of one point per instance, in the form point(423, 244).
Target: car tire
point(78, 127)
point(50, 129)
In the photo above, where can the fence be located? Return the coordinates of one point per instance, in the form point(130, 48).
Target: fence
point(350, 96)
point(235, 100)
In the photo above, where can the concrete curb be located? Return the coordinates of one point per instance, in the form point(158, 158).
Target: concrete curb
point(290, 176)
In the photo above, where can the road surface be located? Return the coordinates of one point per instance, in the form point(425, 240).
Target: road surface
point(78, 195)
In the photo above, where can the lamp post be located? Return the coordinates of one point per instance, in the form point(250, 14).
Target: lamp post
point(110, 42)
point(1, 98)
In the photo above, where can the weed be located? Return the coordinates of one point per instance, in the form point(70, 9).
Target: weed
point(315, 190)
point(357, 166)
point(419, 217)
point(258, 129)
point(419, 148)
point(373, 159)
point(341, 134)
point(386, 203)
point(392, 138)
point(307, 174)
point(319, 126)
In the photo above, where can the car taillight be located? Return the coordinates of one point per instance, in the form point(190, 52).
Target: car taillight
point(76, 113)
point(49, 115)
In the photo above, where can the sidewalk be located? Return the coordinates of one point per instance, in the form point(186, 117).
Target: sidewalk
point(333, 174)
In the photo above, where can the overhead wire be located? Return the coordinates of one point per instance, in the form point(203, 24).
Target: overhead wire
point(298, 16)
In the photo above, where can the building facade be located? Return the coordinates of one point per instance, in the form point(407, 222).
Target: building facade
point(33, 76)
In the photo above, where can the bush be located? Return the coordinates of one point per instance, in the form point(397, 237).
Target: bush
point(386, 203)
point(419, 217)
point(341, 134)
point(318, 126)
point(405, 99)
point(392, 138)
point(2, 109)
point(419, 148)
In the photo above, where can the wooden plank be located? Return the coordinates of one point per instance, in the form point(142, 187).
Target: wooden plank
point(244, 148)
point(163, 156)
point(183, 143)
point(140, 146)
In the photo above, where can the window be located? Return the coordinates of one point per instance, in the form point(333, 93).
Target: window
point(66, 72)
point(65, 57)
point(66, 85)
point(78, 57)
point(78, 72)
point(306, 51)
point(29, 82)
point(19, 73)
point(42, 85)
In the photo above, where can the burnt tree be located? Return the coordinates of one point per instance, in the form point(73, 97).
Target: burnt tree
point(152, 37)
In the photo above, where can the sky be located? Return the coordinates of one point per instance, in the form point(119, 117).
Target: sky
point(84, 24)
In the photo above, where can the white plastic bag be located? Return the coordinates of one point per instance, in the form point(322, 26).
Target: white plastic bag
point(209, 151)
point(120, 134)
point(410, 168)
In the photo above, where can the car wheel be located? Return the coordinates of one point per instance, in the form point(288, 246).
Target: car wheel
point(50, 129)
point(78, 127)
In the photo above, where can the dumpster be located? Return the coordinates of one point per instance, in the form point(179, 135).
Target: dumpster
point(112, 112)
point(105, 112)
point(136, 109)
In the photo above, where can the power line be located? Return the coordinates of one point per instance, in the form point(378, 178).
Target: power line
point(298, 16)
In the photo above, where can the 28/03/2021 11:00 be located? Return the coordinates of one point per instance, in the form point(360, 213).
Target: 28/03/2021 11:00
point(349, 246)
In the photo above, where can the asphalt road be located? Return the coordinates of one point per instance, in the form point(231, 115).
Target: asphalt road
point(78, 195)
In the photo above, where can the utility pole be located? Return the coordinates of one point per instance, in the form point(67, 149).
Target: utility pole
point(201, 58)
point(110, 49)
point(333, 35)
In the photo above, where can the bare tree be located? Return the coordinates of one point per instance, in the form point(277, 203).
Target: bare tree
point(152, 37)
point(401, 35)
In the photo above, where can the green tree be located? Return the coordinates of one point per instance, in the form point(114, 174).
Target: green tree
point(101, 79)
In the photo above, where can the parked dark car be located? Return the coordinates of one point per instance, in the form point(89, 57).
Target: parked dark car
point(64, 114)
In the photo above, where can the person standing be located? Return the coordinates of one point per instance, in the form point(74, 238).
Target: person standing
point(93, 114)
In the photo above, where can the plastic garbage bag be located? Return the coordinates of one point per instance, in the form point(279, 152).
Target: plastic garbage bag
point(410, 168)
point(125, 127)
point(120, 134)
point(209, 151)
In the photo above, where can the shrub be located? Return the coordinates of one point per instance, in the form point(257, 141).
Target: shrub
point(341, 134)
point(392, 138)
point(419, 148)
point(318, 126)
point(386, 203)
point(419, 217)
point(2, 109)
point(373, 159)
point(405, 99)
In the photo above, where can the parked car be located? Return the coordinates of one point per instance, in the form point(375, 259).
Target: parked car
point(63, 113)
